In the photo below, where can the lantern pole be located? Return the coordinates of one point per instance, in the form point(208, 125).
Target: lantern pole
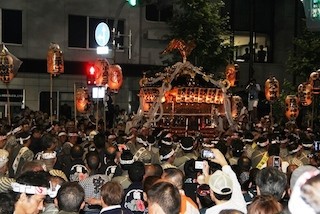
point(8, 104)
point(75, 103)
point(51, 99)
point(312, 110)
point(271, 113)
point(97, 113)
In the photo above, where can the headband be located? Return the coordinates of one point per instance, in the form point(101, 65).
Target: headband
point(126, 162)
point(263, 144)
point(186, 148)
point(49, 155)
point(22, 188)
point(169, 143)
point(73, 134)
point(295, 150)
point(61, 134)
point(144, 142)
point(167, 156)
point(14, 131)
point(208, 145)
point(23, 139)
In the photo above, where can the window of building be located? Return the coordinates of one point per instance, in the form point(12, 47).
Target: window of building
point(11, 26)
point(81, 32)
point(159, 12)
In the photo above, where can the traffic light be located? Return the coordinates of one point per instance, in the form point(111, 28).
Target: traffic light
point(132, 2)
point(91, 76)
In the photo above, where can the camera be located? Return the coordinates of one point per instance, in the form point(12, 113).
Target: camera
point(316, 145)
point(206, 153)
point(276, 162)
point(198, 164)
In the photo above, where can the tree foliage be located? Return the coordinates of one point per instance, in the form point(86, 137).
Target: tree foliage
point(306, 57)
point(201, 21)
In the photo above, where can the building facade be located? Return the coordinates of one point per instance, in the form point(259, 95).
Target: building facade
point(28, 27)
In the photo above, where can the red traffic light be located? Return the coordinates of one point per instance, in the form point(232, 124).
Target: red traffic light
point(91, 76)
point(92, 70)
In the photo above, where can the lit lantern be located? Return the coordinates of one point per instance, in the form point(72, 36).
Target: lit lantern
point(236, 106)
point(305, 93)
point(315, 81)
point(101, 72)
point(292, 107)
point(272, 89)
point(55, 63)
point(82, 100)
point(231, 74)
point(115, 77)
point(6, 67)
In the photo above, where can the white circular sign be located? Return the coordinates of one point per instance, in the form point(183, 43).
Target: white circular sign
point(102, 34)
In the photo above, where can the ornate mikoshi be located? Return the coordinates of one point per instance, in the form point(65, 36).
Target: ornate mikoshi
point(183, 47)
point(115, 77)
point(315, 81)
point(292, 107)
point(305, 93)
point(231, 74)
point(236, 106)
point(55, 62)
point(6, 67)
point(272, 89)
point(82, 100)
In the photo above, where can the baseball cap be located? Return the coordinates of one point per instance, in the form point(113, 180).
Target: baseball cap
point(4, 154)
point(299, 171)
point(220, 183)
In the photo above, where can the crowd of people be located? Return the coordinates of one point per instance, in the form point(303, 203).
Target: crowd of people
point(81, 166)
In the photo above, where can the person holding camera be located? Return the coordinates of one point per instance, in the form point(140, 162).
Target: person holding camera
point(253, 89)
point(225, 189)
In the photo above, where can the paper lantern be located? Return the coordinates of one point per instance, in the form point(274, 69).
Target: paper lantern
point(6, 67)
point(272, 89)
point(305, 93)
point(101, 72)
point(55, 62)
point(82, 100)
point(236, 106)
point(231, 74)
point(115, 77)
point(292, 107)
point(315, 82)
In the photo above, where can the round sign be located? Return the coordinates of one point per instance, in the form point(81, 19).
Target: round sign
point(102, 34)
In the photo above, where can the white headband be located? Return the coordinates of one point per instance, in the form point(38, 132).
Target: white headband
point(295, 150)
point(49, 155)
point(21, 188)
point(247, 140)
point(126, 162)
point(263, 144)
point(166, 142)
point(208, 145)
point(61, 134)
point(186, 148)
point(23, 139)
point(167, 156)
point(112, 136)
point(73, 134)
point(14, 131)
point(144, 142)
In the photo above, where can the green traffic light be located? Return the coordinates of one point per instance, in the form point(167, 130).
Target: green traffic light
point(132, 2)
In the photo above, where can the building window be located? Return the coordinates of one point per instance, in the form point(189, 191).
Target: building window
point(11, 26)
point(81, 32)
point(159, 12)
